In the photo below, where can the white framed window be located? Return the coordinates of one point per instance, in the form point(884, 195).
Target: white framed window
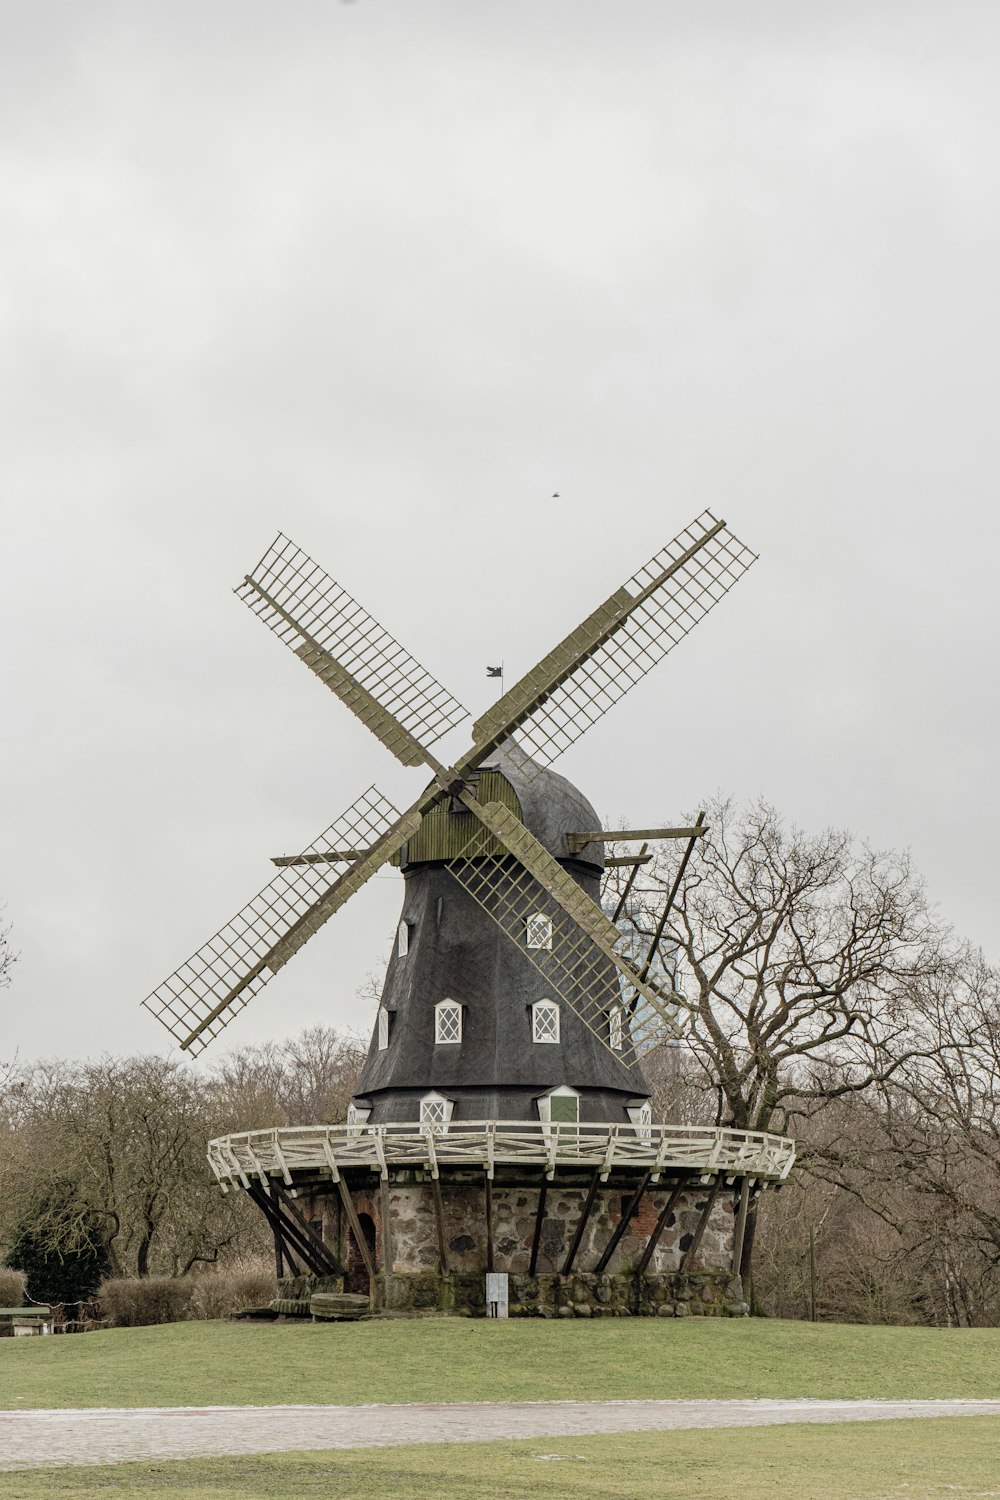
point(435, 1109)
point(538, 930)
point(383, 1028)
point(357, 1114)
point(641, 1116)
point(403, 939)
point(447, 1023)
point(616, 1029)
point(545, 1021)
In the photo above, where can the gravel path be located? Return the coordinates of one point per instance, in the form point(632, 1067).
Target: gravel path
point(37, 1439)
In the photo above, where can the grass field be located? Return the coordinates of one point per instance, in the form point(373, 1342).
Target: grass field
point(193, 1364)
point(939, 1459)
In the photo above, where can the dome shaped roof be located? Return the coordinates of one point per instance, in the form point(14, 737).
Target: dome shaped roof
point(551, 806)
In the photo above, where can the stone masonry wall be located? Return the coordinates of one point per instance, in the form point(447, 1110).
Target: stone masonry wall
point(414, 1230)
point(409, 1277)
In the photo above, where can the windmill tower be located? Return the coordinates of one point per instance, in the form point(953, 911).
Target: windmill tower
point(502, 1123)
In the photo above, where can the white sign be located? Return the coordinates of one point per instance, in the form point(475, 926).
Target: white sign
point(496, 1294)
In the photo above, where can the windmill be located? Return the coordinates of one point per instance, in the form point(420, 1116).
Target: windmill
point(507, 973)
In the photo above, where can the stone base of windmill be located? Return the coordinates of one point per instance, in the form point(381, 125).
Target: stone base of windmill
point(709, 1293)
point(431, 1245)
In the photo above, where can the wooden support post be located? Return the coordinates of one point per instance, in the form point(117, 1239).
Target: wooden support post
point(660, 1226)
point(692, 1250)
point(696, 833)
point(279, 1250)
point(740, 1226)
point(302, 1242)
point(622, 1225)
point(581, 1224)
point(489, 1222)
point(358, 1233)
point(281, 1227)
point(327, 1263)
point(536, 1238)
point(439, 1224)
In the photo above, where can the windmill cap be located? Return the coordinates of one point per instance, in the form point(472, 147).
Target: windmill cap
point(551, 807)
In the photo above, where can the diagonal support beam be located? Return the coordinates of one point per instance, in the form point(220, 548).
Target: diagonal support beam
point(622, 1225)
point(581, 1223)
point(740, 1227)
point(536, 1238)
point(687, 1263)
point(296, 1246)
point(659, 1227)
point(358, 1233)
point(291, 1211)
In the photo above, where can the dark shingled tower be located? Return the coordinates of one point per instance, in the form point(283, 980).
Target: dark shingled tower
point(453, 951)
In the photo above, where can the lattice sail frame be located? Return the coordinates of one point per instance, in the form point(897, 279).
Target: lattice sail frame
point(357, 658)
point(613, 649)
point(588, 979)
point(216, 982)
point(397, 699)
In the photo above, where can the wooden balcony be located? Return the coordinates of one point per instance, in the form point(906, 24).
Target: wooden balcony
point(259, 1156)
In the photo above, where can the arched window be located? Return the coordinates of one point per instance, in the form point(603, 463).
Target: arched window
point(383, 1028)
point(538, 930)
point(545, 1021)
point(616, 1028)
point(447, 1023)
point(435, 1109)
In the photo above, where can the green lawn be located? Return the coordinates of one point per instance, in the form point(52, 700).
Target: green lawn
point(858, 1461)
point(193, 1364)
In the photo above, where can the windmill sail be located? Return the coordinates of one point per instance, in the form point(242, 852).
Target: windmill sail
point(614, 648)
point(203, 995)
point(578, 958)
point(367, 668)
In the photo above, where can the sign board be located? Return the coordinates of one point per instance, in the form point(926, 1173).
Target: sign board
point(496, 1294)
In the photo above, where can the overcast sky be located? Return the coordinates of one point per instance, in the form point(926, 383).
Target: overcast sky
point(385, 275)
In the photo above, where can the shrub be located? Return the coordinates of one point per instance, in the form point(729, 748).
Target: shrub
point(224, 1290)
point(12, 1287)
point(134, 1302)
point(59, 1268)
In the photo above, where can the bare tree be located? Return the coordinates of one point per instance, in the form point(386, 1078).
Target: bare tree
point(923, 1148)
point(8, 958)
point(118, 1144)
point(308, 1080)
point(798, 958)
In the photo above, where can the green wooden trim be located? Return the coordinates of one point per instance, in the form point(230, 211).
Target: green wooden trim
point(444, 833)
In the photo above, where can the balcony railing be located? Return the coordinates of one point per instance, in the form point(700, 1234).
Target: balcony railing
point(260, 1155)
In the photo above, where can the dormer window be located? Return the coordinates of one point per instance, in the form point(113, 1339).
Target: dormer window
point(383, 1029)
point(641, 1115)
point(435, 1109)
point(402, 939)
point(538, 930)
point(447, 1023)
point(545, 1021)
point(616, 1029)
point(560, 1106)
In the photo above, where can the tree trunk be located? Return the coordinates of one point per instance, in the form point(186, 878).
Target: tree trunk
point(746, 1261)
